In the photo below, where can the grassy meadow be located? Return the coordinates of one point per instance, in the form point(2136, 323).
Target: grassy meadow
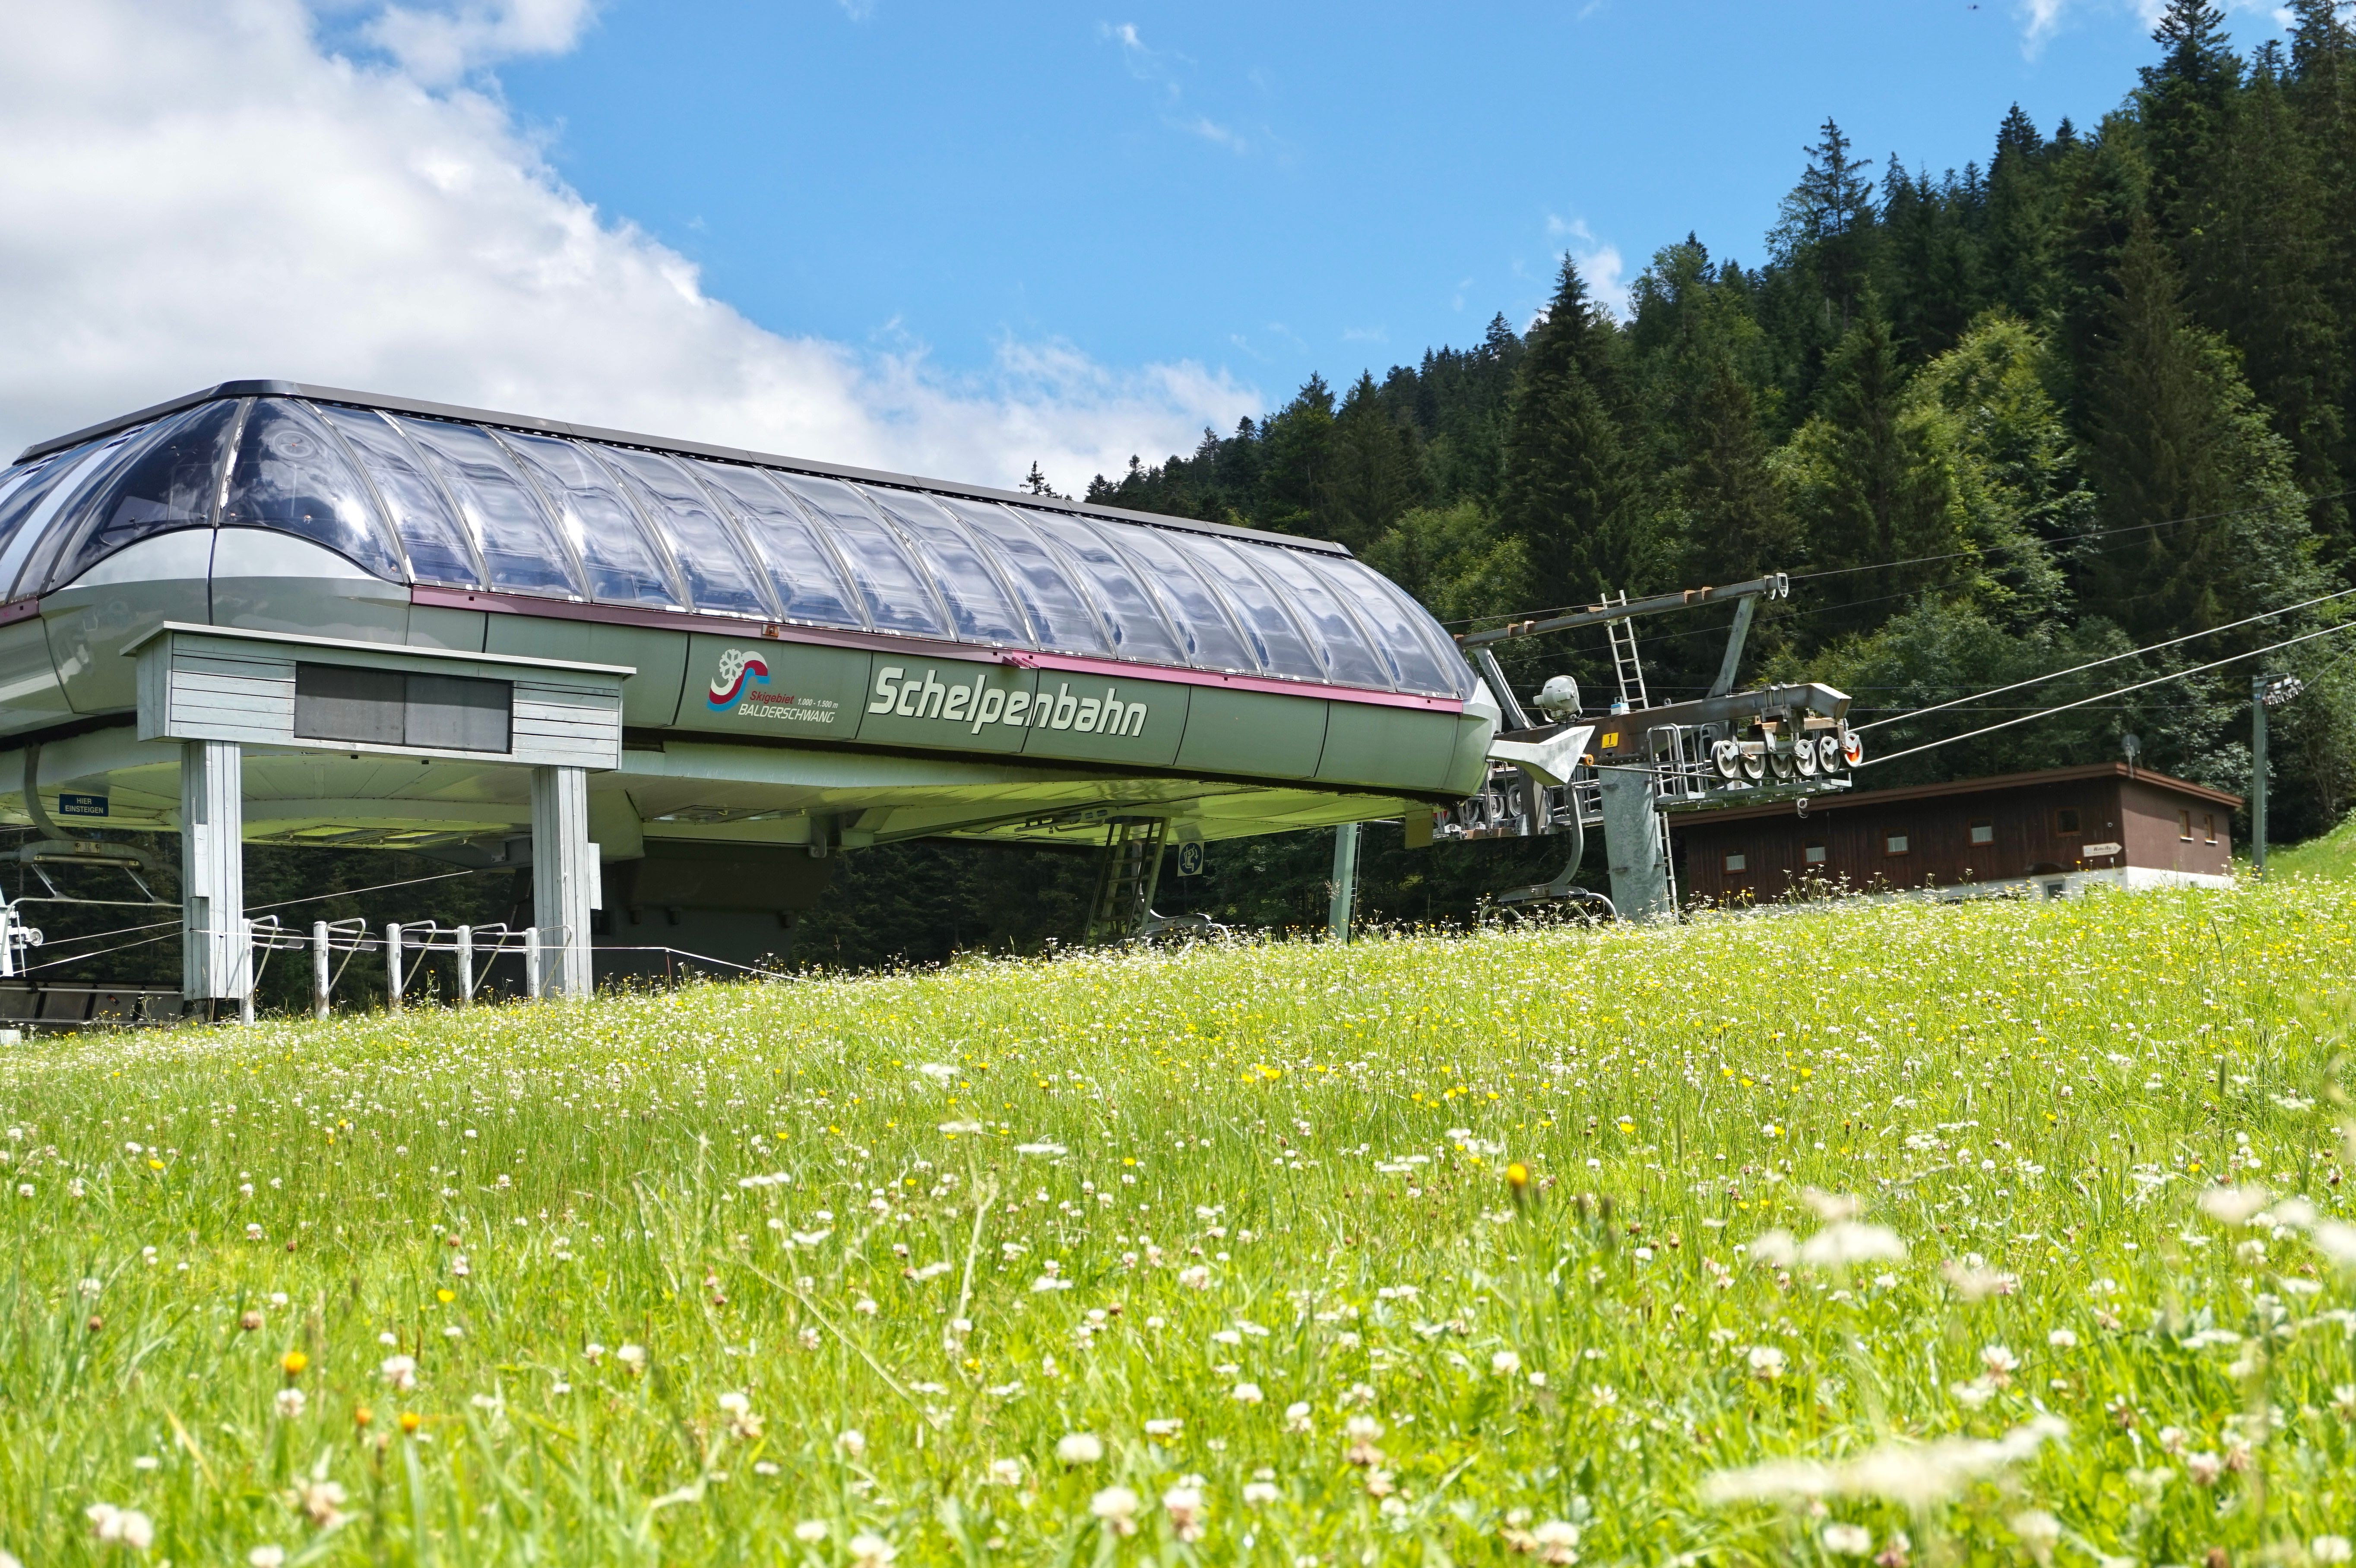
point(1896, 1235)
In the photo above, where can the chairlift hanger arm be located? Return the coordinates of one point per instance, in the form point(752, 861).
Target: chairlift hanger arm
point(1774, 586)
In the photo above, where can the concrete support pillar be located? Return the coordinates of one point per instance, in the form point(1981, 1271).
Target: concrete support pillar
point(1636, 845)
point(564, 878)
point(1344, 902)
point(216, 959)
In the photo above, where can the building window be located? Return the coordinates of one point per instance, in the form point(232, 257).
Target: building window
point(1894, 843)
point(2184, 825)
point(1813, 851)
point(1983, 830)
point(2066, 820)
point(2208, 825)
point(1736, 861)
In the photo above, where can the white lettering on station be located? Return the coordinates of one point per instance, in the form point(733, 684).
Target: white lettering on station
point(976, 703)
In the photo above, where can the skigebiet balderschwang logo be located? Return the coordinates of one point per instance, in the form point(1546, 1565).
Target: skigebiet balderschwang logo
point(733, 686)
point(977, 703)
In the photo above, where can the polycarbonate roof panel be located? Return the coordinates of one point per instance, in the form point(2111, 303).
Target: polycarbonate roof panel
point(1061, 617)
point(980, 609)
point(719, 568)
point(1193, 607)
point(422, 493)
point(521, 550)
point(436, 541)
point(291, 475)
point(27, 516)
point(1133, 618)
point(808, 580)
point(165, 480)
point(899, 597)
point(1349, 655)
point(624, 566)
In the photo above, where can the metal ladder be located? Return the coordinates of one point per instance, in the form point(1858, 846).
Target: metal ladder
point(1126, 877)
point(1626, 666)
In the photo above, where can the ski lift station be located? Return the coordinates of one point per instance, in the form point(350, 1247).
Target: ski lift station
point(672, 678)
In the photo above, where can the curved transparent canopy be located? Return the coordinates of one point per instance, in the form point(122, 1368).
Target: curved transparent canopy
point(290, 474)
point(441, 501)
point(626, 566)
point(164, 479)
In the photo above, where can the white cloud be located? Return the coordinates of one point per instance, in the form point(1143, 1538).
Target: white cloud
point(438, 46)
point(2042, 19)
point(199, 193)
point(1599, 263)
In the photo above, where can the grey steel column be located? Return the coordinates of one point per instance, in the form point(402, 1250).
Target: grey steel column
point(215, 965)
point(564, 878)
point(1633, 844)
point(1345, 882)
point(2259, 687)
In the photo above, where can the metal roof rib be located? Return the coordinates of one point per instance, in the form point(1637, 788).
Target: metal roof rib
point(424, 409)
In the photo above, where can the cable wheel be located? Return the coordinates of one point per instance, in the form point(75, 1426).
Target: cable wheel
point(1780, 761)
point(1726, 758)
point(1806, 757)
point(1754, 762)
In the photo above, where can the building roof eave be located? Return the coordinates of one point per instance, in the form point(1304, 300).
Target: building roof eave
point(1818, 804)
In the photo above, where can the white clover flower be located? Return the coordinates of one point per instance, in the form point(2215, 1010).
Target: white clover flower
point(1197, 1277)
point(870, 1550)
point(401, 1371)
point(2234, 1205)
point(1079, 1448)
point(631, 1356)
point(1774, 1249)
point(852, 1442)
point(121, 1525)
point(1187, 1510)
point(1246, 1394)
point(1505, 1364)
point(267, 1556)
point(1296, 1416)
point(1258, 1494)
point(1117, 1506)
point(811, 1530)
point(2063, 1339)
point(1557, 1540)
point(1766, 1362)
point(1847, 1539)
point(290, 1403)
point(1846, 1241)
point(2328, 1549)
point(1006, 1472)
point(1163, 1427)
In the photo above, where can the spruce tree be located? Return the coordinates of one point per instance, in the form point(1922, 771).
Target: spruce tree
point(1566, 475)
point(2200, 522)
point(2262, 265)
point(2183, 101)
point(1375, 470)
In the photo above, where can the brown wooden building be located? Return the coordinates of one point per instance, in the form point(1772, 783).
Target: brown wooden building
point(2050, 832)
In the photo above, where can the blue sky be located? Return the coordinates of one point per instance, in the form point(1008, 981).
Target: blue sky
point(949, 239)
point(1269, 190)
